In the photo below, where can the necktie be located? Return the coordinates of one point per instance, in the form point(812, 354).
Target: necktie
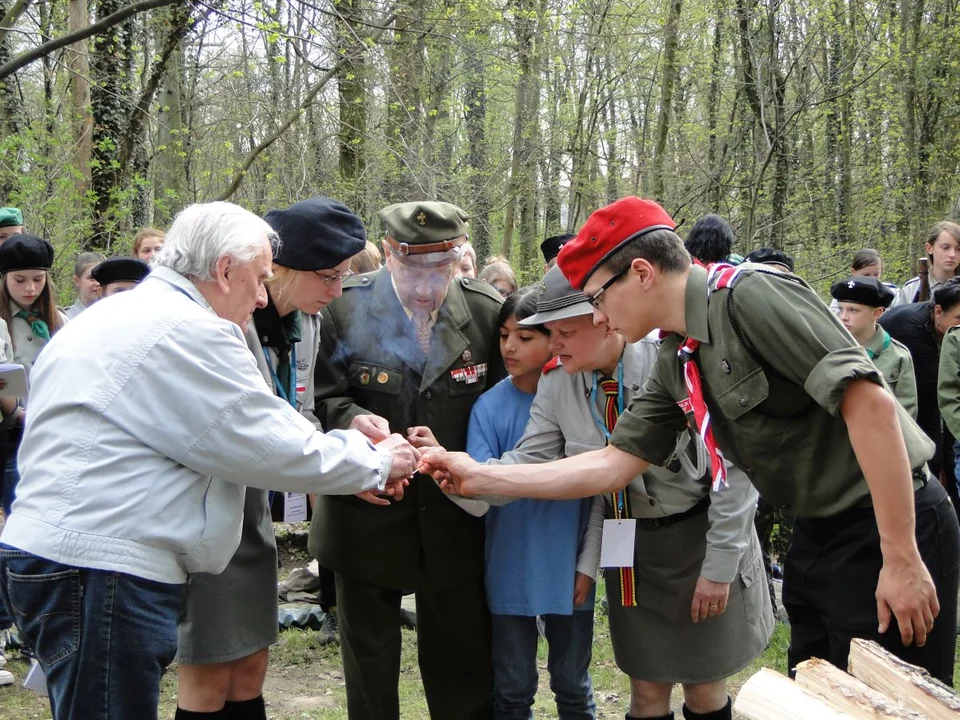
point(621, 500)
point(719, 276)
point(422, 322)
point(38, 326)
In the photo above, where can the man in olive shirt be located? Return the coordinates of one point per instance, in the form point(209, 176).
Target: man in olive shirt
point(756, 361)
point(860, 303)
point(408, 349)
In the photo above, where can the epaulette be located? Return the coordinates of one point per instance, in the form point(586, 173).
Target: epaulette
point(355, 281)
point(727, 276)
point(554, 363)
point(480, 287)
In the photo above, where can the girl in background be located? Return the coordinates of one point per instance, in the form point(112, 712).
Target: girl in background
point(88, 289)
point(28, 308)
point(147, 243)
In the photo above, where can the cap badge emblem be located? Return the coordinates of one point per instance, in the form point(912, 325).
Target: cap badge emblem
point(422, 218)
point(851, 284)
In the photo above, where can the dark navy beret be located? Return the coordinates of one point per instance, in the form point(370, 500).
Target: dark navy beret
point(766, 256)
point(120, 269)
point(862, 290)
point(551, 246)
point(25, 252)
point(316, 234)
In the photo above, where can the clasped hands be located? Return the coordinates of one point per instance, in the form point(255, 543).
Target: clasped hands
point(404, 453)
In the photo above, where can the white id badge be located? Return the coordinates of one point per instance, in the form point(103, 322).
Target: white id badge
point(616, 549)
point(294, 507)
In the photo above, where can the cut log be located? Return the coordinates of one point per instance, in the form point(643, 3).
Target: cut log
point(911, 685)
point(847, 694)
point(768, 695)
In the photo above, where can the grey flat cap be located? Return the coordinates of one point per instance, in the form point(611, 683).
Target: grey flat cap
point(558, 300)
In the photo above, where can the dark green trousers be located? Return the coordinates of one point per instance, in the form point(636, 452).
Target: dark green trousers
point(453, 649)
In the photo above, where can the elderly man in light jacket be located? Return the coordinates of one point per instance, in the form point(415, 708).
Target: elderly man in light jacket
point(148, 418)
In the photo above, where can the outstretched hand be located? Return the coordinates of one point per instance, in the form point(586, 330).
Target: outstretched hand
point(454, 472)
point(374, 427)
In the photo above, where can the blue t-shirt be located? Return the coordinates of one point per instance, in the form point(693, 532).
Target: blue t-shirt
point(531, 545)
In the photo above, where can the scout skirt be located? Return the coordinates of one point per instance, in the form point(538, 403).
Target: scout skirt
point(657, 641)
point(228, 616)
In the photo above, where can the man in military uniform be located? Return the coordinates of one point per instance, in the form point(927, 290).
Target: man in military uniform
point(757, 363)
point(861, 302)
point(409, 349)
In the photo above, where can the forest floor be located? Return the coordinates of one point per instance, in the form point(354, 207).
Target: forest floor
point(305, 680)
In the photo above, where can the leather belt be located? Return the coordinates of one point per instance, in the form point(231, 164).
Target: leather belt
point(668, 520)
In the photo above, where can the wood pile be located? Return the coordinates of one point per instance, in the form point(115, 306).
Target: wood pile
point(878, 686)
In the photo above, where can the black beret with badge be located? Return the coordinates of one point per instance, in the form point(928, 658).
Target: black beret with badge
point(120, 269)
point(425, 234)
point(25, 252)
point(316, 234)
point(862, 290)
point(551, 246)
point(770, 256)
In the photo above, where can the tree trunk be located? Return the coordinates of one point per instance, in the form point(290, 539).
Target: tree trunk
point(79, 82)
point(351, 84)
point(667, 80)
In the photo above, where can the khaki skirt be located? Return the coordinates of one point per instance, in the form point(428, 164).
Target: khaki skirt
point(228, 616)
point(657, 641)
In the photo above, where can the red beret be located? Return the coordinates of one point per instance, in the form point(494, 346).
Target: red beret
point(605, 231)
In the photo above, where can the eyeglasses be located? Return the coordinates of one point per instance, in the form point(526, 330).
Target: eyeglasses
point(329, 280)
point(595, 298)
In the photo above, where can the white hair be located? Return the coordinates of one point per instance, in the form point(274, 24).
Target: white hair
point(203, 233)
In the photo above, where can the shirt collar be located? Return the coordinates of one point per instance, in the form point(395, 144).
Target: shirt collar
point(695, 305)
point(275, 331)
point(875, 343)
point(181, 283)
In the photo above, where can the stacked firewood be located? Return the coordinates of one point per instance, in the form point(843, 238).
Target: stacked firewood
point(879, 685)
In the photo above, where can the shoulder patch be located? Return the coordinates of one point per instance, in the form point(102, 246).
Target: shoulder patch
point(553, 364)
point(358, 281)
point(480, 287)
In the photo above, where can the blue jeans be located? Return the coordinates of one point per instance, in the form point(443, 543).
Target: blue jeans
point(569, 649)
point(102, 638)
point(11, 474)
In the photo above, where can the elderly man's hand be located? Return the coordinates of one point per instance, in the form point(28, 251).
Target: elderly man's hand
point(373, 426)
point(422, 437)
point(404, 459)
point(455, 472)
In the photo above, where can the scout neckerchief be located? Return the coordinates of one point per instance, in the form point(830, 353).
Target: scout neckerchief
point(37, 326)
point(288, 393)
point(719, 276)
point(613, 391)
point(886, 343)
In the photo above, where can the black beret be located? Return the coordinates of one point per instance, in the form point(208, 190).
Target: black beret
point(862, 290)
point(766, 256)
point(316, 234)
point(551, 246)
point(25, 252)
point(120, 269)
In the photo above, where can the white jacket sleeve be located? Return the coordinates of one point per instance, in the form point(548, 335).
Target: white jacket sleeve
point(211, 411)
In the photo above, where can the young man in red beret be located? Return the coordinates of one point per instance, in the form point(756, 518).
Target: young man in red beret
point(755, 361)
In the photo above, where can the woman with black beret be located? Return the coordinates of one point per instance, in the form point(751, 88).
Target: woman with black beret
point(229, 621)
point(28, 307)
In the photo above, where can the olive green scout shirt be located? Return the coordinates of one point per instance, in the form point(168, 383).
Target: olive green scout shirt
point(948, 381)
point(775, 364)
point(895, 363)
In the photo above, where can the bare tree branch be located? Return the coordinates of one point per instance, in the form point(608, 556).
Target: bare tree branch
point(13, 14)
point(70, 38)
point(292, 117)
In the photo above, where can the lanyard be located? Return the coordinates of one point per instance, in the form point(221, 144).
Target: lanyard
point(288, 394)
point(593, 398)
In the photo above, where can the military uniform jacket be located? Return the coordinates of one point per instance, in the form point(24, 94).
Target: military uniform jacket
point(562, 425)
point(774, 364)
point(894, 362)
point(370, 362)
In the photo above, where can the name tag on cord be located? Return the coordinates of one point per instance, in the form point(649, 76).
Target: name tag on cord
point(617, 546)
point(294, 507)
